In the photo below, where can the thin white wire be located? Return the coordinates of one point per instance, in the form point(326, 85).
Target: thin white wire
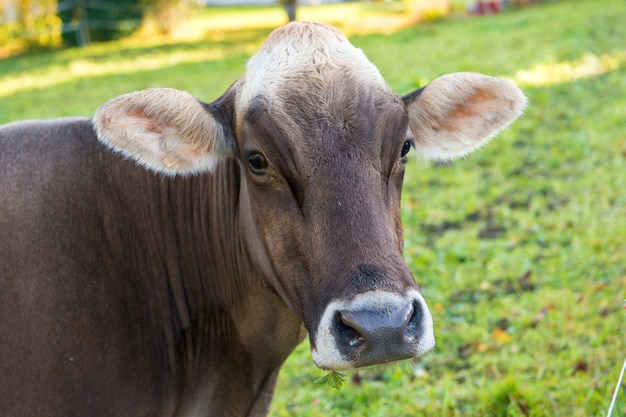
point(617, 387)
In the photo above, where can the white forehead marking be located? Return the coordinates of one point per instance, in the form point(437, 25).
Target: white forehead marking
point(300, 47)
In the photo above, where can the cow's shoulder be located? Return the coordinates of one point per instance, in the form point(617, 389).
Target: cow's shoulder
point(30, 140)
point(43, 158)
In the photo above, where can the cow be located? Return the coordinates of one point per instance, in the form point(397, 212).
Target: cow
point(164, 257)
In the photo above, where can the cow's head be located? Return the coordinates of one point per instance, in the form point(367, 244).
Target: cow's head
point(321, 142)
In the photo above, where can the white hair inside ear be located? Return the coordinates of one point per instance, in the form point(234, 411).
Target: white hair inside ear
point(458, 113)
point(163, 129)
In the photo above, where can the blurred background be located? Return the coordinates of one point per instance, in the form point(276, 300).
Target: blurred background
point(520, 248)
point(32, 24)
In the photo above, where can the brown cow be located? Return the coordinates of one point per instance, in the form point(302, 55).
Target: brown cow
point(180, 289)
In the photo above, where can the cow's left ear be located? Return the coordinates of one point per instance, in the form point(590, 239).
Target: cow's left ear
point(166, 130)
point(458, 113)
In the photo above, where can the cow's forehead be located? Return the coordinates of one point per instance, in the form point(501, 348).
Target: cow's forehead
point(299, 48)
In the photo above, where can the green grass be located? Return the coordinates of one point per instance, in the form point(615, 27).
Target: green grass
point(520, 248)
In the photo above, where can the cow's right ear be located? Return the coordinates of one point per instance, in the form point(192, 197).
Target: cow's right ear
point(166, 130)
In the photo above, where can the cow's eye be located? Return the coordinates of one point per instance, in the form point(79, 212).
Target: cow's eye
point(405, 148)
point(257, 161)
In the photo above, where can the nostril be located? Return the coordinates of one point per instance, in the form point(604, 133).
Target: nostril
point(348, 329)
point(414, 323)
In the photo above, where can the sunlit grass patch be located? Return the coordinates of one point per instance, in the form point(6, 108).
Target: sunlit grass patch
point(588, 65)
point(88, 68)
point(350, 17)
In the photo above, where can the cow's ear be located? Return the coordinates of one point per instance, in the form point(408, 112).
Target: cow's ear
point(458, 113)
point(166, 130)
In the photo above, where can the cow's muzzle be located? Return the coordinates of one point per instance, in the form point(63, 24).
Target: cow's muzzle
point(373, 328)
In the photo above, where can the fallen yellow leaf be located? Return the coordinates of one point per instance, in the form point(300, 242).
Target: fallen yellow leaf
point(500, 335)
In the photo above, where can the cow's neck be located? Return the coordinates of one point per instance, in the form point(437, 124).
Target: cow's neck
point(227, 319)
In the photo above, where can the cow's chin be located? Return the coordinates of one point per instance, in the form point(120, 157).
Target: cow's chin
point(373, 328)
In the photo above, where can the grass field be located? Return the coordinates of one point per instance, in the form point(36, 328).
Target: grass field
point(520, 248)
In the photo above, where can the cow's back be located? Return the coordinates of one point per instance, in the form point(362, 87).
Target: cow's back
point(71, 326)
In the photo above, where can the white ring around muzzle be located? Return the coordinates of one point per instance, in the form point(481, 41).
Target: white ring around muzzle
point(325, 351)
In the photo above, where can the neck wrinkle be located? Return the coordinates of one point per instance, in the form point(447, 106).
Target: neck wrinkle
point(205, 262)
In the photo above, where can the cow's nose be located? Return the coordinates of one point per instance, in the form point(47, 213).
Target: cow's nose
point(371, 328)
point(378, 335)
